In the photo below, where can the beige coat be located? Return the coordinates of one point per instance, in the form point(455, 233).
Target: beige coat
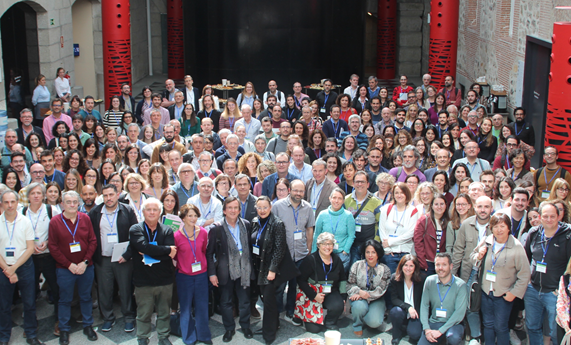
point(466, 241)
point(512, 267)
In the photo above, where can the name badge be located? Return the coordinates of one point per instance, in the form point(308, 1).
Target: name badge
point(336, 245)
point(297, 235)
point(75, 247)
point(541, 267)
point(322, 110)
point(196, 267)
point(10, 252)
point(440, 312)
point(112, 238)
point(326, 288)
point(36, 239)
point(240, 252)
point(491, 276)
point(393, 236)
point(357, 227)
point(314, 210)
point(403, 96)
point(545, 194)
point(256, 250)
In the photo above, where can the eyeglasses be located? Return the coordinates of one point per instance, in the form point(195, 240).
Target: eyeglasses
point(133, 183)
point(563, 189)
point(281, 163)
point(360, 182)
point(550, 154)
point(265, 208)
point(184, 172)
point(38, 172)
point(328, 244)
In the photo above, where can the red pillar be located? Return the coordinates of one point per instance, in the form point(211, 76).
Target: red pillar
point(386, 39)
point(558, 121)
point(116, 27)
point(175, 39)
point(443, 40)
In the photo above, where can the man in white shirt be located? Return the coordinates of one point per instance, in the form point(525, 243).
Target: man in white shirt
point(251, 124)
point(299, 169)
point(210, 207)
point(273, 86)
point(351, 90)
point(475, 165)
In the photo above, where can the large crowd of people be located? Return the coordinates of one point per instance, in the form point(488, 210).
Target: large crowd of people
point(410, 206)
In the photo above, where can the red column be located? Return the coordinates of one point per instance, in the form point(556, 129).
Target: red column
point(116, 27)
point(558, 121)
point(443, 40)
point(386, 39)
point(175, 39)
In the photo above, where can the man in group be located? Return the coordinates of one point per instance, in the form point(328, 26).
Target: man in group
point(230, 169)
point(354, 130)
point(57, 115)
point(498, 124)
point(209, 206)
point(282, 166)
point(545, 176)
point(77, 122)
point(252, 125)
point(442, 125)
point(73, 250)
point(156, 99)
point(111, 222)
point(445, 299)
point(331, 147)
point(523, 130)
point(88, 195)
point(351, 90)
point(51, 174)
point(366, 211)
point(267, 129)
point(167, 98)
point(185, 188)
point(17, 238)
point(153, 241)
point(488, 179)
point(232, 144)
point(246, 199)
point(472, 122)
point(127, 101)
point(18, 163)
point(334, 126)
point(411, 99)
point(176, 110)
point(319, 187)
point(386, 120)
point(191, 93)
point(359, 157)
point(400, 93)
point(38, 173)
point(279, 143)
point(503, 161)
point(40, 215)
point(472, 99)
point(133, 135)
point(209, 112)
point(475, 165)
point(375, 159)
point(277, 115)
point(517, 212)
point(270, 103)
point(88, 105)
point(373, 89)
point(410, 157)
point(426, 79)
point(175, 158)
point(228, 257)
point(325, 99)
point(122, 143)
point(280, 97)
point(453, 116)
point(442, 164)
point(475, 190)
point(207, 168)
point(27, 118)
point(10, 147)
point(197, 145)
point(298, 95)
point(299, 220)
point(299, 168)
point(399, 120)
point(452, 94)
point(207, 127)
point(168, 132)
point(472, 231)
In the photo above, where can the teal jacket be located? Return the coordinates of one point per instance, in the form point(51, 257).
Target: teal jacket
point(340, 223)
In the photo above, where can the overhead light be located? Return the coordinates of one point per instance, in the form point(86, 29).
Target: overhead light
point(369, 13)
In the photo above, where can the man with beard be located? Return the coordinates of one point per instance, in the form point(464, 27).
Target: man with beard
point(375, 165)
point(472, 231)
point(50, 173)
point(472, 100)
point(409, 157)
point(168, 132)
point(502, 161)
point(334, 126)
point(165, 116)
point(523, 131)
point(472, 123)
point(545, 176)
point(27, 128)
point(399, 121)
point(88, 195)
point(446, 297)
point(452, 94)
point(127, 101)
point(488, 178)
point(326, 99)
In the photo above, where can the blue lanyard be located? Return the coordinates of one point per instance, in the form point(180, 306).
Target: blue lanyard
point(53, 177)
point(231, 122)
point(522, 127)
point(188, 129)
point(508, 162)
point(184, 191)
point(325, 102)
point(244, 205)
point(318, 153)
point(208, 115)
point(330, 267)
point(289, 114)
point(440, 296)
point(493, 253)
point(253, 183)
point(315, 198)
point(397, 216)
point(545, 177)
point(335, 128)
point(295, 215)
point(296, 101)
point(14, 227)
point(138, 210)
point(37, 220)
point(367, 268)
point(514, 233)
point(236, 239)
point(149, 234)
point(202, 211)
point(68, 229)
point(334, 229)
point(261, 230)
point(190, 243)
point(114, 217)
point(548, 242)
point(155, 192)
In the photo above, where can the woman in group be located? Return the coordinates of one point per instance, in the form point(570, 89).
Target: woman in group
point(147, 134)
point(59, 155)
point(189, 122)
point(486, 141)
point(348, 146)
point(158, 181)
point(412, 181)
point(396, 225)
point(59, 129)
point(230, 115)
point(426, 161)
point(73, 142)
point(207, 90)
point(431, 134)
point(312, 122)
point(323, 269)
point(349, 169)
point(430, 234)
point(436, 108)
point(560, 190)
point(503, 193)
point(40, 99)
point(389, 142)
point(248, 165)
point(34, 145)
point(111, 136)
point(505, 266)
point(126, 120)
point(423, 115)
point(11, 180)
point(300, 129)
point(420, 98)
point(366, 119)
point(462, 208)
point(265, 168)
point(290, 110)
point(111, 152)
point(134, 185)
point(459, 172)
point(105, 170)
point(72, 181)
point(114, 115)
point(99, 136)
point(145, 103)
point(465, 136)
point(563, 305)
point(423, 196)
point(74, 160)
point(192, 277)
point(411, 115)
point(442, 183)
point(344, 101)
point(340, 222)
point(269, 253)
point(369, 131)
point(434, 147)
point(74, 106)
point(53, 195)
point(448, 142)
point(126, 170)
point(361, 102)
point(454, 129)
point(385, 182)
point(316, 145)
point(505, 132)
point(247, 96)
point(431, 93)
point(281, 190)
point(518, 172)
point(260, 144)
point(132, 157)
point(91, 178)
point(143, 168)
point(314, 106)
point(403, 139)
point(334, 167)
point(222, 185)
point(61, 83)
point(257, 108)
point(406, 294)
point(368, 282)
point(418, 129)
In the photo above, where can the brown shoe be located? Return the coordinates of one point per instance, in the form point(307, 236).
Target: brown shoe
point(56, 329)
point(254, 312)
point(358, 333)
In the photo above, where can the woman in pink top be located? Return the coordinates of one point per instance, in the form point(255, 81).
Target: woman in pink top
point(191, 277)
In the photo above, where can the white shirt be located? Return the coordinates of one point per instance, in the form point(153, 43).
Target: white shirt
point(62, 86)
point(350, 91)
point(316, 194)
point(398, 228)
point(20, 232)
point(137, 206)
point(106, 229)
point(211, 210)
point(305, 174)
point(252, 129)
point(40, 223)
point(190, 97)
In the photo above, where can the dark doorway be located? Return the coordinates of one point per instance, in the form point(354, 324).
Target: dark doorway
point(20, 51)
point(535, 90)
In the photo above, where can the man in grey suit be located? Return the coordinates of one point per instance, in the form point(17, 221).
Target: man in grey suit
point(319, 188)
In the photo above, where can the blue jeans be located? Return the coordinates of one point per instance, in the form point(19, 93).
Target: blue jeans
point(66, 282)
point(495, 316)
point(473, 318)
point(355, 253)
point(392, 260)
point(540, 306)
point(370, 314)
point(27, 286)
point(453, 335)
point(399, 320)
point(192, 291)
point(431, 269)
point(346, 260)
point(291, 293)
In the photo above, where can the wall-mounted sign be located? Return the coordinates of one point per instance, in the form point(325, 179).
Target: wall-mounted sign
point(76, 49)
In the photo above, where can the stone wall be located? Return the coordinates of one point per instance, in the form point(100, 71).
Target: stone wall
point(410, 14)
point(139, 45)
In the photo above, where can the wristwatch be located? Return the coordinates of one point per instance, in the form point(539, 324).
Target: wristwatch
point(86, 262)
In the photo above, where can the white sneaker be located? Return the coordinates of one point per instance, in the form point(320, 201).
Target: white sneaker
point(474, 342)
point(514, 339)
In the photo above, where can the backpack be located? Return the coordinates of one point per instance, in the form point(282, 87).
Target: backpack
point(48, 211)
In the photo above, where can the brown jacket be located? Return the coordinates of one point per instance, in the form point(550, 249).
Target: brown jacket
point(466, 241)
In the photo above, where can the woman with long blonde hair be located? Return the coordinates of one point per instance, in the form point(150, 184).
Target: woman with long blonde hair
point(230, 115)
